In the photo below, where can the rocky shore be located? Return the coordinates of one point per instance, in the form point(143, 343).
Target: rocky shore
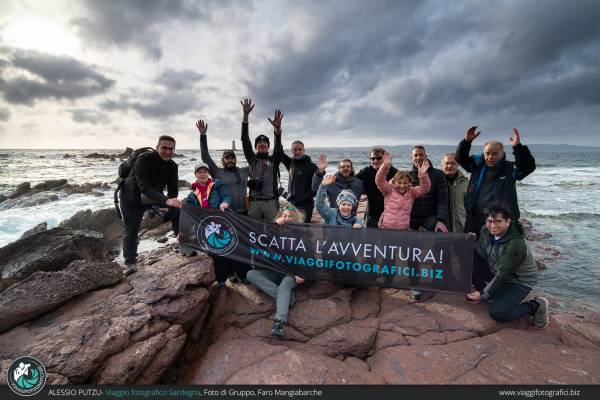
point(65, 301)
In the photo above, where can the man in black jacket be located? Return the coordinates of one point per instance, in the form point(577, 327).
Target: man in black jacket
point(431, 210)
point(264, 169)
point(374, 196)
point(301, 170)
point(493, 178)
point(143, 189)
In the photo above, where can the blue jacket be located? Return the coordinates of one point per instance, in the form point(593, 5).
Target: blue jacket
point(219, 193)
point(330, 215)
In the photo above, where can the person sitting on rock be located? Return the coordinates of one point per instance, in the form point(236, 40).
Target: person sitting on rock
point(399, 194)
point(209, 193)
point(504, 270)
point(276, 284)
point(345, 213)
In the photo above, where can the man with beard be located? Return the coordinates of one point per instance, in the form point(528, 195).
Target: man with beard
point(235, 179)
point(264, 169)
point(301, 170)
point(374, 196)
point(344, 180)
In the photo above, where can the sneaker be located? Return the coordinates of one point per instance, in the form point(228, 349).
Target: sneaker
point(415, 294)
point(541, 318)
point(131, 269)
point(277, 329)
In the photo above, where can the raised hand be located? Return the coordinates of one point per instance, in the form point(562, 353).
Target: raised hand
point(328, 180)
point(276, 121)
point(247, 106)
point(387, 158)
point(515, 139)
point(471, 135)
point(202, 127)
point(322, 162)
point(424, 167)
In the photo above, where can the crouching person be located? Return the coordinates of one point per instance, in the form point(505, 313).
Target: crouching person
point(504, 270)
point(279, 285)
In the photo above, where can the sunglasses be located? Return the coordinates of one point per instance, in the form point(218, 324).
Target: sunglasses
point(167, 148)
point(376, 158)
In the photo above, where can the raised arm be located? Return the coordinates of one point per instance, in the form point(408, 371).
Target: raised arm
point(204, 154)
point(463, 149)
point(384, 186)
point(524, 161)
point(424, 181)
point(278, 154)
point(319, 173)
point(322, 207)
point(247, 107)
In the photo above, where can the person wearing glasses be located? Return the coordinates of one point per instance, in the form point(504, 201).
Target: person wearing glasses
point(374, 196)
point(493, 178)
point(143, 189)
point(504, 270)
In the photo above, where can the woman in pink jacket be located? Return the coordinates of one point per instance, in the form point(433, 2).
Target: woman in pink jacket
point(399, 194)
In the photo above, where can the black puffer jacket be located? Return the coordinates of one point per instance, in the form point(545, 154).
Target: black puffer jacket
point(374, 196)
point(301, 171)
point(435, 202)
point(504, 180)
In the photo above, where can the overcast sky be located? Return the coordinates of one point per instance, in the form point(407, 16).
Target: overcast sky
point(110, 74)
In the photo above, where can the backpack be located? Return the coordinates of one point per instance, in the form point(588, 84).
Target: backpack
point(125, 169)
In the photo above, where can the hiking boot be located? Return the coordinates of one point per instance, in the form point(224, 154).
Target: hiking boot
point(277, 329)
point(131, 269)
point(541, 318)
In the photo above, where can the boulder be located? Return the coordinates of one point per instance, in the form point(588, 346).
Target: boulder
point(52, 250)
point(182, 183)
point(104, 221)
point(52, 289)
point(20, 190)
point(127, 333)
point(99, 155)
point(50, 184)
point(2, 198)
point(38, 228)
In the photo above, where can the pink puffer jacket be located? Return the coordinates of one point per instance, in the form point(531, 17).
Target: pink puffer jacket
point(397, 206)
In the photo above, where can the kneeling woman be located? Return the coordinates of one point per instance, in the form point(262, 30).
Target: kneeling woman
point(276, 284)
point(504, 270)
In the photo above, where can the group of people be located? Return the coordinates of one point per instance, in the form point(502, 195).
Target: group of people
point(421, 198)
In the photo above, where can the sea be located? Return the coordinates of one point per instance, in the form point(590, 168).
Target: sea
point(561, 198)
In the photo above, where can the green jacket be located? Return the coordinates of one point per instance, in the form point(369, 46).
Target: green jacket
point(509, 258)
point(457, 192)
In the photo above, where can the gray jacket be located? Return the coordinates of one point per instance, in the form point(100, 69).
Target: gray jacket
point(234, 179)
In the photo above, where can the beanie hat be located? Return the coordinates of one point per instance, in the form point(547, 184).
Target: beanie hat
point(347, 195)
point(201, 165)
point(261, 137)
point(227, 153)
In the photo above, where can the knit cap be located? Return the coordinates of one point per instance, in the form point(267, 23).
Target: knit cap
point(347, 195)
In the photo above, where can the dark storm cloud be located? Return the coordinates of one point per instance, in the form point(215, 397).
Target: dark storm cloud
point(176, 93)
point(137, 22)
point(58, 77)
point(437, 60)
point(84, 115)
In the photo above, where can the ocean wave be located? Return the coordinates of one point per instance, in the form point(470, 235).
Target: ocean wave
point(564, 216)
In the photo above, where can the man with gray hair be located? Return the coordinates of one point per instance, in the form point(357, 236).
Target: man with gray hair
point(457, 191)
point(493, 178)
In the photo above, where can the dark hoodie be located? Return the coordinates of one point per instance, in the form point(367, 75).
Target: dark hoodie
point(435, 202)
point(509, 258)
point(493, 184)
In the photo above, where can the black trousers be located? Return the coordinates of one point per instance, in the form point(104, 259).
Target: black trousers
point(132, 217)
point(224, 268)
point(307, 209)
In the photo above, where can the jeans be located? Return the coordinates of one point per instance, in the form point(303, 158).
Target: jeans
point(132, 217)
point(505, 302)
point(277, 285)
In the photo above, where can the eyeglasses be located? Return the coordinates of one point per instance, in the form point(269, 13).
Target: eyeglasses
point(376, 158)
point(165, 148)
point(494, 221)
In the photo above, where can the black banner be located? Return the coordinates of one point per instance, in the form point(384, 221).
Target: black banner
point(431, 261)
